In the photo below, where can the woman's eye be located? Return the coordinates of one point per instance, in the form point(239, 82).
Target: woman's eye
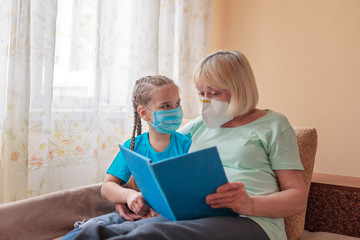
point(201, 94)
point(178, 104)
point(165, 106)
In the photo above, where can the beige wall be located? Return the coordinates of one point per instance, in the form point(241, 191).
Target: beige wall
point(306, 58)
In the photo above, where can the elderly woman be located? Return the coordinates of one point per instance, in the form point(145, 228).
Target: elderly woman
point(259, 153)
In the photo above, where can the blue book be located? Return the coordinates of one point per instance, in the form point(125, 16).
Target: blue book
point(176, 187)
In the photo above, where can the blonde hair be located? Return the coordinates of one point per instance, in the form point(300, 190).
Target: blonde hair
point(143, 92)
point(229, 70)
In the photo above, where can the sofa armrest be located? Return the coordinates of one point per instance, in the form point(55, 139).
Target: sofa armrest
point(51, 215)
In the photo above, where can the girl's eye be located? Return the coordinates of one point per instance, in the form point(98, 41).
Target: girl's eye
point(178, 104)
point(165, 106)
point(201, 94)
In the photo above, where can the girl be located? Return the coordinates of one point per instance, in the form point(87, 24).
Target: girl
point(156, 100)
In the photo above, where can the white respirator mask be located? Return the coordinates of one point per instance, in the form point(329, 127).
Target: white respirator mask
point(214, 113)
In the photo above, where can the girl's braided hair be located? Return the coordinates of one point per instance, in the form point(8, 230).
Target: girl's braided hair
point(142, 94)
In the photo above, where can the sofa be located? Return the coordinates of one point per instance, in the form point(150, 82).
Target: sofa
point(52, 215)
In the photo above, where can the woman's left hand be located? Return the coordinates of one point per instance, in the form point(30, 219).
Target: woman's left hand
point(151, 214)
point(231, 195)
point(126, 213)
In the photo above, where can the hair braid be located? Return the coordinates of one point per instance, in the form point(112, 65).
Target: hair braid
point(132, 143)
point(139, 127)
point(136, 129)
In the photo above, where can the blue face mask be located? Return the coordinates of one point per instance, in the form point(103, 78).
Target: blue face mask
point(167, 121)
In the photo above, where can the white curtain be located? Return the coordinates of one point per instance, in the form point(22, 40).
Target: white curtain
point(67, 69)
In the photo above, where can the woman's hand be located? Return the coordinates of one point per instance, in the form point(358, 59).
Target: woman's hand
point(151, 214)
point(129, 215)
point(126, 213)
point(135, 202)
point(290, 200)
point(231, 195)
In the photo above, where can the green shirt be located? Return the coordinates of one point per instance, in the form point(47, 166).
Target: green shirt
point(250, 154)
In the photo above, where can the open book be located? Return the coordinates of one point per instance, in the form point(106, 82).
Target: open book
point(176, 187)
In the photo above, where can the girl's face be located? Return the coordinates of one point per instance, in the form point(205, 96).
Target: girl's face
point(205, 90)
point(164, 98)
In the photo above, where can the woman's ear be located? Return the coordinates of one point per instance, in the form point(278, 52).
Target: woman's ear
point(143, 113)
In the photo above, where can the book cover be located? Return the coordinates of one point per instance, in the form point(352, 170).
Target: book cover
point(176, 187)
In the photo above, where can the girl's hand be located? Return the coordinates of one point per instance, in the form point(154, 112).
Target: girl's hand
point(231, 195)
point(135, 202)
point(126, 213)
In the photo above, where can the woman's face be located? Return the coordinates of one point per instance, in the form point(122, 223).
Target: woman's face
point(205, 90)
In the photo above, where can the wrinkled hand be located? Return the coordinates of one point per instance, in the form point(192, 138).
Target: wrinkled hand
point(126, 213)
point(231, 195)
point(135, 202)
point(129, 215)
point(151, 214)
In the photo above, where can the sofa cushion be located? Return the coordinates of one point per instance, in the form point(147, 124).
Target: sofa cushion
point(307, 143)
point(51, 215)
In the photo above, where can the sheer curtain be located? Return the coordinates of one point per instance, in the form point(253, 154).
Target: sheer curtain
point(67, 69)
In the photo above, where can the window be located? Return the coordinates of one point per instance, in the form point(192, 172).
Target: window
point(92, 55)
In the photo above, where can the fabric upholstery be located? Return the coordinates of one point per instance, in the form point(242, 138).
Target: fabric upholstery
point(307, 143)
point(51, 215)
